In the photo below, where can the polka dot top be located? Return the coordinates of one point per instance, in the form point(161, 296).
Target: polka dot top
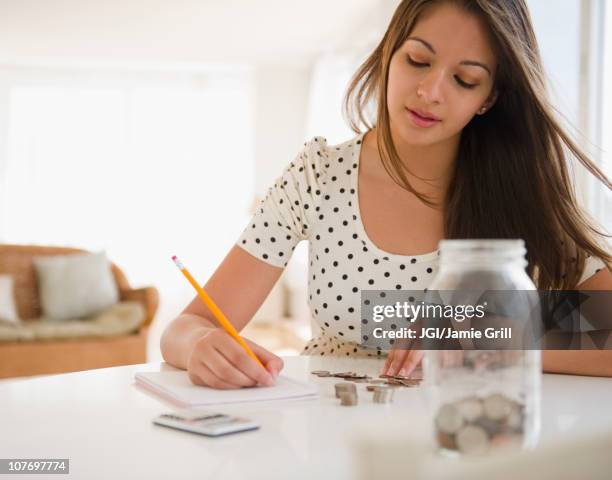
point(316, 199)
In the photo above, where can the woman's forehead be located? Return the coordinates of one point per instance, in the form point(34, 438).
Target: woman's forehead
point(452, 31)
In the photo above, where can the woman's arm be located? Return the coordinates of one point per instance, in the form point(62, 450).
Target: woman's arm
point(239, 286)
point(578, 362)
point(583, 362)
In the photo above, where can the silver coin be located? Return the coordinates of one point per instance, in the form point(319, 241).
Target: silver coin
point(344, 387)
point(514, 420)
point(410, 383)
point(382, 394)
point(492, 427)
point(497, 406)
point(470, 408)
point(348, 399)
point(448, 419)
point(472, 439)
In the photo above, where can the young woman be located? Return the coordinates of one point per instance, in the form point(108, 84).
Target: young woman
point(465, 145)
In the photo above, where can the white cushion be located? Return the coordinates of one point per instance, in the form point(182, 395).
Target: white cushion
point(120, 319)
point(75, 285)
point(8, 311)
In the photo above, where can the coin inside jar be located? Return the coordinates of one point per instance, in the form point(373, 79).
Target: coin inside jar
point(471, 439)
point(470, 408)
point(449, 419)
point(501, 424)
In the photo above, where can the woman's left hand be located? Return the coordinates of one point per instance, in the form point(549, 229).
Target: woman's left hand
point(402, 361)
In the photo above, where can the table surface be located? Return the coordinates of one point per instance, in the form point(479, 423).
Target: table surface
point(102, 422)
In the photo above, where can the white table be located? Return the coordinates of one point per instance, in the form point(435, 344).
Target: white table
point(102, 422)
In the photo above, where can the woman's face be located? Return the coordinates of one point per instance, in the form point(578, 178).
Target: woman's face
point(445, 70)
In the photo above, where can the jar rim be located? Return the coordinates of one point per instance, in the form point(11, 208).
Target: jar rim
point(485, 244)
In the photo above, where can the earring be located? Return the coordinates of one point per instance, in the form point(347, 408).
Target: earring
point(482, 110)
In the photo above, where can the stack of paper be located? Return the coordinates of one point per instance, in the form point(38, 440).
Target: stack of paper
point(176, 387)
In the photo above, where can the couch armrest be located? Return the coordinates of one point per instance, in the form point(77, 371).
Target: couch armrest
point(148, 296)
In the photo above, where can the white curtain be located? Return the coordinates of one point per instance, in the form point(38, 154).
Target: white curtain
point(144, 166)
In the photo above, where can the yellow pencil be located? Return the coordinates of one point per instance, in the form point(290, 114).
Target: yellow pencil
point(225, 323)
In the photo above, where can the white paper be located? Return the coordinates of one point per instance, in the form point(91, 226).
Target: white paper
point(176, 387)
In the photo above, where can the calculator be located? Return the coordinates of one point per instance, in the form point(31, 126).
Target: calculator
point(210, 424)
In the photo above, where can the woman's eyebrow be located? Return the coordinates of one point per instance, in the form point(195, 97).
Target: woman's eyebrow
point(472, 63)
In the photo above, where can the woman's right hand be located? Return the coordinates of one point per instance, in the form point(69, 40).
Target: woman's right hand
point(218, 361)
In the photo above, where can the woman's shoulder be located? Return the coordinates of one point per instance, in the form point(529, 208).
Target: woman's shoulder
point(592, 265)
point(318, 155)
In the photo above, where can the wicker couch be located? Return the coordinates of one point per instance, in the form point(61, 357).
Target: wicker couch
point(57, 355)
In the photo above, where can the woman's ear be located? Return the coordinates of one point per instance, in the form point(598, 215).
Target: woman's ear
point(489, 102)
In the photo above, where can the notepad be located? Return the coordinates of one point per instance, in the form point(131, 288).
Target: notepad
point(176, 387)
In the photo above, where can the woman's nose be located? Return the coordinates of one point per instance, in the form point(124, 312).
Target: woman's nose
point(431, 88)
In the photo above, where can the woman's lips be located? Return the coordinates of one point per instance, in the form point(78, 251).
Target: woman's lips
point(421, 121)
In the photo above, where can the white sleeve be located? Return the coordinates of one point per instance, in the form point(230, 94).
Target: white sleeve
point(287, 213)
point(592, 265)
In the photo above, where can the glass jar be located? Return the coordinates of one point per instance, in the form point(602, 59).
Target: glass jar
point(484, 400)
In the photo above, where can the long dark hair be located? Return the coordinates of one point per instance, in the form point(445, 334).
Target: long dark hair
point(511, 178)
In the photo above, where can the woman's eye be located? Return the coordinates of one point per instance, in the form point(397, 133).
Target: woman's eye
point(416, 64)
point(465, 84)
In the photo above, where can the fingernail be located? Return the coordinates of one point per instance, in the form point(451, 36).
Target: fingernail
point(403, 372)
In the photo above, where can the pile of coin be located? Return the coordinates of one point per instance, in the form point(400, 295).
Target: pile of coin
point(391, 380)
point(383, 394)
point(348, 399)
point(473, 425)
point(345, 387)
point(346, 375)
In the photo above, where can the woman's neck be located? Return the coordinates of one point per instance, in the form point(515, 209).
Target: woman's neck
point(433, 163)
